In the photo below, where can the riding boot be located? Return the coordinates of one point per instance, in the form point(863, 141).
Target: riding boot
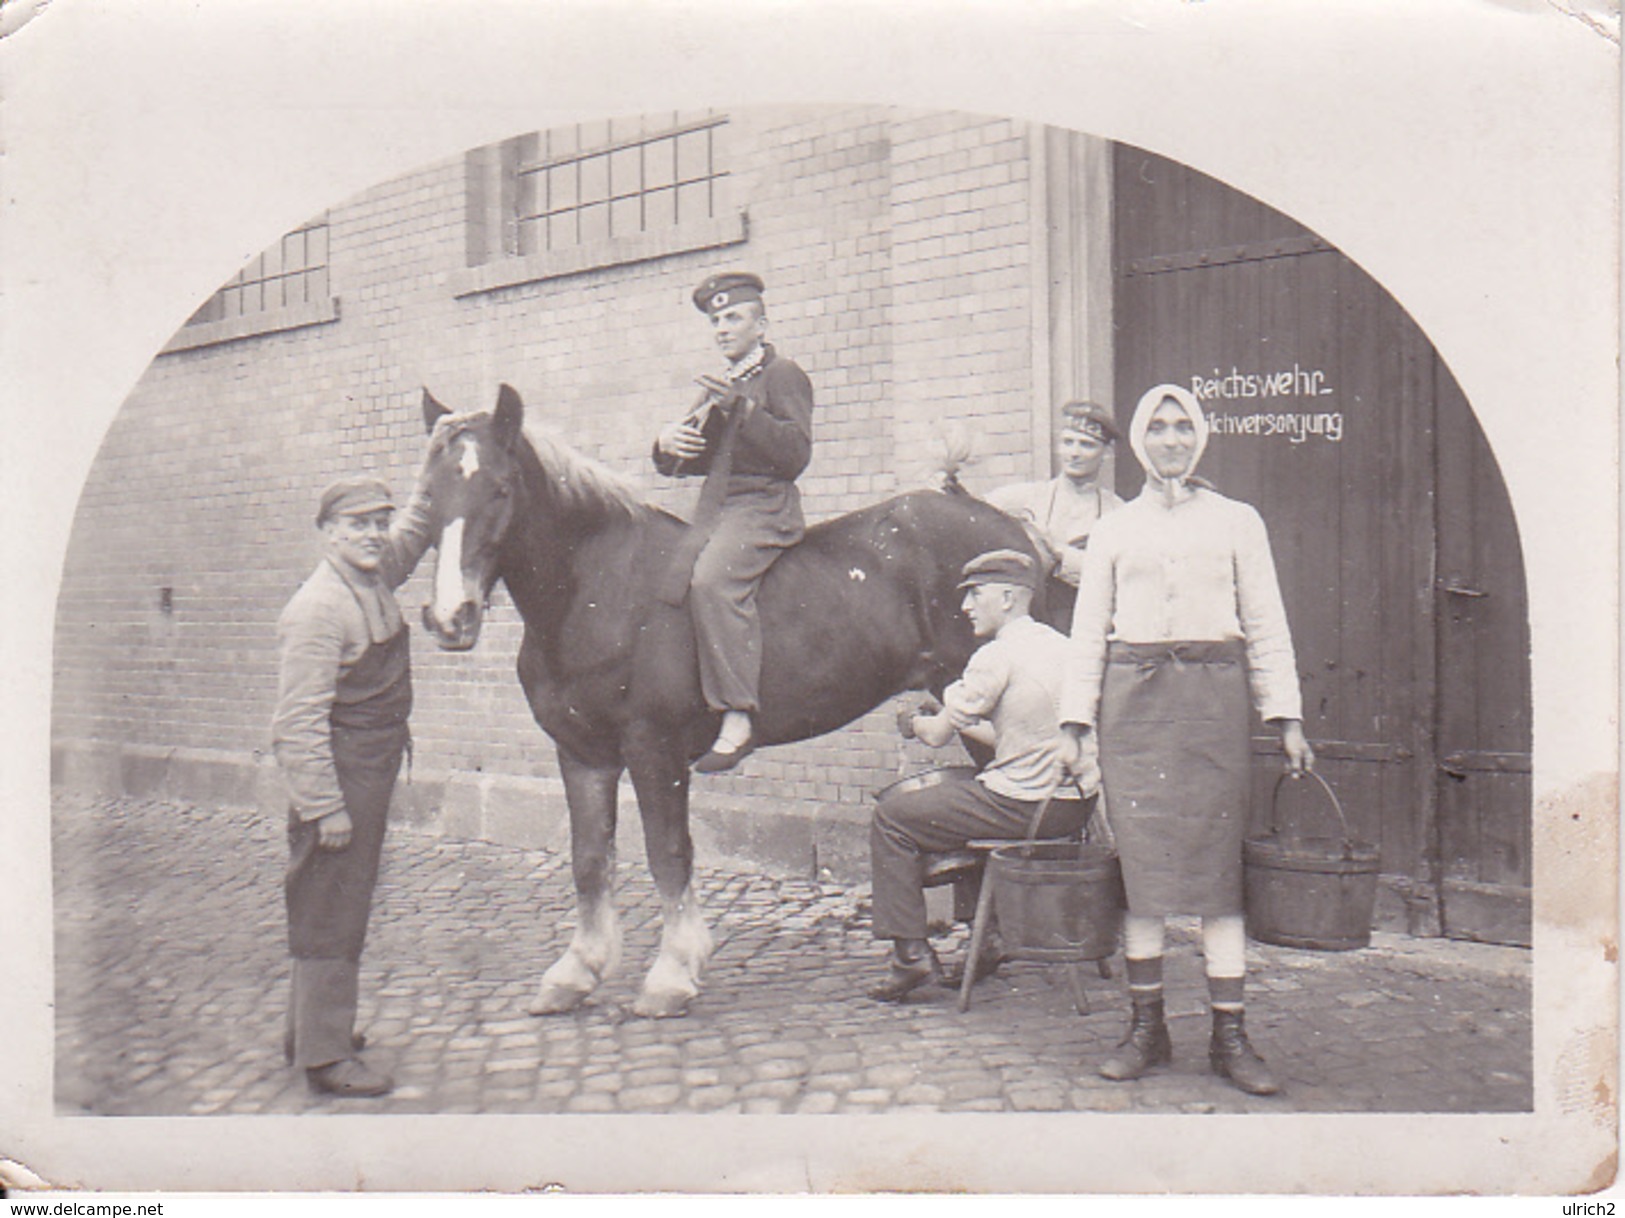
point(1146, 1044)
point(1234, 1057)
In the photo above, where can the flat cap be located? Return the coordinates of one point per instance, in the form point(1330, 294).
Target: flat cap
point(1000, 567)
point(1091, 420)
point(354, 497)
point(729, 288)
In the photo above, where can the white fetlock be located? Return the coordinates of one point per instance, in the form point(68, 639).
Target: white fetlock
point(566, 985)
point(667, 991)
point(555, 1000)
point(674, 979)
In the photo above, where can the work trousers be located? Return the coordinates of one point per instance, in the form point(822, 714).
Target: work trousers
point(329, 895)
point(908, 825)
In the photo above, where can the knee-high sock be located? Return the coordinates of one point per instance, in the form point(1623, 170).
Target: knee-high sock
point(1142, 946)
point(1224, 946)
point(1142, 937)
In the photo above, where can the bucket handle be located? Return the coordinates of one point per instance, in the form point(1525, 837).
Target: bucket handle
point(1038, 815)
point(1343, 821)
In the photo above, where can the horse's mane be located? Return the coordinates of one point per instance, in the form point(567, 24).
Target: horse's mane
point(579, 482)
point(576, 482)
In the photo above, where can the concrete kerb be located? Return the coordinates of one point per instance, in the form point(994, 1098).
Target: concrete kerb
point(1451, 958)
point(1434, 957)
point(109, 767)
point(731, 833)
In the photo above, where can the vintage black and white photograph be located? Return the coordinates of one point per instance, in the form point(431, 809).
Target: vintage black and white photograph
point(715, 605)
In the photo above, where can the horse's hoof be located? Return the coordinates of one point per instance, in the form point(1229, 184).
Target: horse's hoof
point(556, 1000)
point(661, 1006)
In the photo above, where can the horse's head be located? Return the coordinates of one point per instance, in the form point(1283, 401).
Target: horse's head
point(472, 478)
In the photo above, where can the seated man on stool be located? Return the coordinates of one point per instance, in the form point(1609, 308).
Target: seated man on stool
point(1008, 698)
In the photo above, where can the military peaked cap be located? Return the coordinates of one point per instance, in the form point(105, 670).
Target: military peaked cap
point(1091, 420)
point(730, 288)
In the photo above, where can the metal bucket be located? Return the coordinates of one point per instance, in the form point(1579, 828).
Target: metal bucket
point(1311, 892)
point(1057, 900)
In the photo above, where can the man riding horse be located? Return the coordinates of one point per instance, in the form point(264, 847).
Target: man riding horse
point(750, 435)
point(614, 667)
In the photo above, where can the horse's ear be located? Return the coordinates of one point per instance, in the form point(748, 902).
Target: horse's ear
point(509, 416)
point(433, 411)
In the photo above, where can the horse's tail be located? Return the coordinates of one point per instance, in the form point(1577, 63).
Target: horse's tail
point(958, 451)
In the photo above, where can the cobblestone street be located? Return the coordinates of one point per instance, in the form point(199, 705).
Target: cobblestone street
point(171, 979)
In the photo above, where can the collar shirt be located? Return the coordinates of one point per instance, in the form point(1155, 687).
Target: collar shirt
point(328, 625)
point(1196, 570)
point(1013, 681)
point(1062, 513)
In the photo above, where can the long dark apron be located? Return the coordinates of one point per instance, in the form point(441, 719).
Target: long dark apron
point(329, 892)
point(1174, 720)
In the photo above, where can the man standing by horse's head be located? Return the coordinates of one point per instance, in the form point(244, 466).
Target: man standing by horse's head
point(339, 731)
point(750, 435)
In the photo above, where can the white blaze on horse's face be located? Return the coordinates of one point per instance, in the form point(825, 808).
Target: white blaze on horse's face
point(469, 487)
point(450, 587)
point(448, 573)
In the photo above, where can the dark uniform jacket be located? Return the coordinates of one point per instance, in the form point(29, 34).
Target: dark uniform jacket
point(774, 442)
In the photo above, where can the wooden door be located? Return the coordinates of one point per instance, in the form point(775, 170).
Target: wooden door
point(1484, 729)
point(1332, 415)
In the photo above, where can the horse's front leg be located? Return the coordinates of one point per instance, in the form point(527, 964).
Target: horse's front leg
point(595, 948)
point(660, 777)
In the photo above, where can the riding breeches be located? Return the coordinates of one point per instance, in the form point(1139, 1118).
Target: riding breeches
point(756, 525)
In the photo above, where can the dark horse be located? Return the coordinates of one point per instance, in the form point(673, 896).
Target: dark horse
point(864, 607)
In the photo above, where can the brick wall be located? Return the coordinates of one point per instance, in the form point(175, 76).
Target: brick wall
point(897, 252)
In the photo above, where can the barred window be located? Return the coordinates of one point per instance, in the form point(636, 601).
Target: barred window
point(285, 288)
point(598, 194)
point(598, 181)
point(291, 272)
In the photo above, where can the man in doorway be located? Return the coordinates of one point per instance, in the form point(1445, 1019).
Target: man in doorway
point(750, 435)
point(1060, 512)
point(339, 731)
point(1008, 699)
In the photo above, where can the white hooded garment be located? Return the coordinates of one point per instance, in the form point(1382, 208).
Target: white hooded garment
point(1180, 563)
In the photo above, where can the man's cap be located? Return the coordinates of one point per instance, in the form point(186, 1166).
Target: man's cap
point(999, 567)
point(1091, 420)
point(729, 288)
point(354, 497)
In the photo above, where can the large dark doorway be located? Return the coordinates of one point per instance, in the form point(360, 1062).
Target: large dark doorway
point(1391, 526)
